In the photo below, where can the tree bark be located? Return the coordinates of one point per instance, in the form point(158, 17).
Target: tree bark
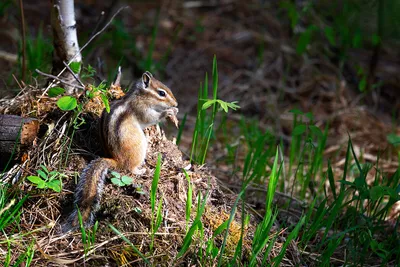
point(16, 134)
point(66, 46)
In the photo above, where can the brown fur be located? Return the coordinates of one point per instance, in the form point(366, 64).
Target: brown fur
point(123, 141)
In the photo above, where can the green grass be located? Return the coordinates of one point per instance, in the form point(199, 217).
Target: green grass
point(156, 214)
point(196, 226)
point(342, 217)
point(115, 230)
point(10, 211)
point(206, 114)
point(38, 52)
point(88, 236)
point(10, 207)
point(356, 211)
point(353, 212)
point(345, 213)
point(123, 50)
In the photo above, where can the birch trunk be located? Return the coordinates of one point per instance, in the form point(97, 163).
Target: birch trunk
point(66, 47)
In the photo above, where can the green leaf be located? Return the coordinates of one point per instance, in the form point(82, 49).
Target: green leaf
point(362, 85)
point(41, 185)
point(159, 215)
point(117, 181)
point(127, 180)
point(214, 251)
point(296, 111)
point(357, 40)
point(188, 238)
point(360, 183)
point(209, 246)
point(55, 91)
point(346, 182)
point(299, 129)
point(89, 94)
point(376, 40)
point(215, 77)
point(378, 191)
point(393, 139)
point(44, 168)
point(35, 179)
point(315, 130)
point(67, 103)
point(221, 228)
point(330, 35)
point(233, 105)
point(310, 116)
point(75, 67)
point(154, 184)
point(116, 174)
point(196, 225)
point(55, 185)
point(291, 12)
point(105, 101)
point(304, 40)
point(42, 174)
point(223, 105)
point(208, 103)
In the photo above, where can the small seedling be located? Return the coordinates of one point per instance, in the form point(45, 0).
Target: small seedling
point(121, 180)
point(204, 126)
point(47, 179)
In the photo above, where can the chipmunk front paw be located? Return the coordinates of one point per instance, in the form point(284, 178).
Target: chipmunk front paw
point(171, 115)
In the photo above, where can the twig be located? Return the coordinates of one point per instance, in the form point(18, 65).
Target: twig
point(98, 22)
point(8, 57)
point(73, 74)
point(99, 32)
point(104, 16)
point(16, 80)
point(58, 79)
point(83, 47)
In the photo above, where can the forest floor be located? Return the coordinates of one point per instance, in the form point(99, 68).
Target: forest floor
point(259, 65)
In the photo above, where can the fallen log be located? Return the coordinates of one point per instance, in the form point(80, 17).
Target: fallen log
point(16, 135)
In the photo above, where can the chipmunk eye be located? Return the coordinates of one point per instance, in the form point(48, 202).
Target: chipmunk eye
point(161, 93)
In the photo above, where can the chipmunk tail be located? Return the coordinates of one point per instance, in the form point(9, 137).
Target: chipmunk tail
point(88, 193)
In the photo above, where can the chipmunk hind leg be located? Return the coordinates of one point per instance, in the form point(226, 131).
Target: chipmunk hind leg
point(134, 158)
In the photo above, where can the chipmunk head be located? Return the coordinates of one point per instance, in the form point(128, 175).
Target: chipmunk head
point(155, 89)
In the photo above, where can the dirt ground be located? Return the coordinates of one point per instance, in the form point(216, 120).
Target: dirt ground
point(257, 65)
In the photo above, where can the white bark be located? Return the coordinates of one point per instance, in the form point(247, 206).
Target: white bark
point(66, 44)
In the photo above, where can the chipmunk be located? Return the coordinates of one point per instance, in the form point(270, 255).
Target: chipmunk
point(123, 140)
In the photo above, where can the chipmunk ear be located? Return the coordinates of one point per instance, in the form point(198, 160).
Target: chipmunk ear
point(146, 77)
